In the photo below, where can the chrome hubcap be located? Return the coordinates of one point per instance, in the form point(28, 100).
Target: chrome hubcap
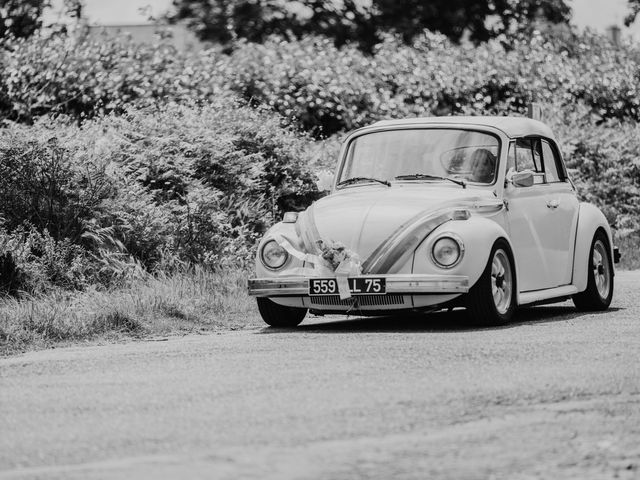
point(501, 281)
point(600, 267)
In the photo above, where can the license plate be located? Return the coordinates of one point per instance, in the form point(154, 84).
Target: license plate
point(357, 286)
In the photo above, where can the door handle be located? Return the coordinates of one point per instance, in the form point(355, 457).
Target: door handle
point(553, 204)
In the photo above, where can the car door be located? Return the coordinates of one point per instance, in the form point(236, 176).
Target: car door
point(563, 206)
point(542, 218)
point(527, 216)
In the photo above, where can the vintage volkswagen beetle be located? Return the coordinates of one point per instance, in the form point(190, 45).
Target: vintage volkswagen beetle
point(432, 213)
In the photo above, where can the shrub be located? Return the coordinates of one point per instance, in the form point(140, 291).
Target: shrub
point(323, 88)
point(82, 77)
point(33, 262)
point(155, 189)
point(47, 181)
point(603, 161)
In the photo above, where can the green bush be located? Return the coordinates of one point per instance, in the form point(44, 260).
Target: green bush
point(153, 189)
point(153, 164)
point(33, 262)
point(83, 77)
point(48, 181)
point(603, 162)
point(327, 89)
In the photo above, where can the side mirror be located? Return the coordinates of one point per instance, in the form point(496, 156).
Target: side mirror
point(522, 179)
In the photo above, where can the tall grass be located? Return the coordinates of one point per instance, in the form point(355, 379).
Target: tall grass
point(629, 246)
point(159, 305)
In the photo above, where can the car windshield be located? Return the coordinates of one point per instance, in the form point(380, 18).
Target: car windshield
point(423, 155)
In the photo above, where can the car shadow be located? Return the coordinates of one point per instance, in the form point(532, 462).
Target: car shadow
point(441, 321)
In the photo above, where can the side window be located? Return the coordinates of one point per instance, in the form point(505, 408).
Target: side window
point(511, 157)
point(551, 163)
point(529, 157)
point(524, 155)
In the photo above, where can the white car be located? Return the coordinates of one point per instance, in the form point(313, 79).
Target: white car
point(442, 212)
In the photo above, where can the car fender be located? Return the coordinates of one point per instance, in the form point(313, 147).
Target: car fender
point(478, 234)
point(590, 219)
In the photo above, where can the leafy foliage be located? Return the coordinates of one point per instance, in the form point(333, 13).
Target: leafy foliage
point(84, 77)
point(20, 18)
point(603, 162)
point(362, 23)
point(328, 89)
point(128, 159)
point(154, 189)
point(634, 9)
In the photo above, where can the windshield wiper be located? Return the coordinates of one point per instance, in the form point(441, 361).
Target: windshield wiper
point(351, 180)
point(419, 176)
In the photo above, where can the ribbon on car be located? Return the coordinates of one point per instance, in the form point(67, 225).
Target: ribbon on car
point(307, 230)
point(321, 267)
point(348, 267)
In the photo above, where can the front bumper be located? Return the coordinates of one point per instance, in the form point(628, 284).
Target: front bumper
point(396, 284)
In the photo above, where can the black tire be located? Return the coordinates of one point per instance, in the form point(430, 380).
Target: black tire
point(279, 315)
point(489, 307)
point(600, 274)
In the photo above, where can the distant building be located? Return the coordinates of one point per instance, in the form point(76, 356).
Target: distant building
point(181, 37)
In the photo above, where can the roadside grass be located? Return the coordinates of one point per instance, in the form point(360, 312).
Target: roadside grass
point(629, 246)
point(196, 301)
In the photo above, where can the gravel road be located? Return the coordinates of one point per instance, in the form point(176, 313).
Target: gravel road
point(554, 396)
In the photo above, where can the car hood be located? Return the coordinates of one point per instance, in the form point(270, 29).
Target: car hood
point(364, 218)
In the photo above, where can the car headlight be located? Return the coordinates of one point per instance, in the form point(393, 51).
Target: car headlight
point(447, 250)
point(273, 256)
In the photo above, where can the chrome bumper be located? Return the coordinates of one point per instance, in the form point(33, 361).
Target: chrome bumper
point(396, 284)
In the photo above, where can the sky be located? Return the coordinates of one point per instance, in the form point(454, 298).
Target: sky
point(596, 14)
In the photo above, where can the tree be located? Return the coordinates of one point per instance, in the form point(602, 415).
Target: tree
point(481, 19)
point(634, 9)
point(361, 22)
point(223, 21)
point(21, 18)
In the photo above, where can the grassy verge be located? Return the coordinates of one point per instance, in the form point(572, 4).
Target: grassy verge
point(630, 250)
point(163, 305)
point(183, 303)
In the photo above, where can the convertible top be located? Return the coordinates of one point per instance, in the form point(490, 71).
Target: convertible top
point(512, 126)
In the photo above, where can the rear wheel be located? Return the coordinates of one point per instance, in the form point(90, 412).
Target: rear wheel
point(599, 290)
point(492, 300)
point(279, 315)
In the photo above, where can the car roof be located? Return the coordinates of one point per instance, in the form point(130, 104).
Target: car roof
point(512, 126)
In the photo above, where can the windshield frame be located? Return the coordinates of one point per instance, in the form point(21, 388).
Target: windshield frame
point(346, 148)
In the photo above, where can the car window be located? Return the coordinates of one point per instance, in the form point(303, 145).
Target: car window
point(551, 163)
point(419, 153)
point(529, 157)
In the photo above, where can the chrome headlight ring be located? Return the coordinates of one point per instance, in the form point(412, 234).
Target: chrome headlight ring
point(273, 256)
point(447, 245)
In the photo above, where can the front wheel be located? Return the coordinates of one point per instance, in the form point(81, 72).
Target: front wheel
point(279, 315)
point(599, 290)
point(492, 300)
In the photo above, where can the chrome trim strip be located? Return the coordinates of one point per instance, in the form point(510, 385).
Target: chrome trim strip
point(406, 238)
point(404, 241)
point(299, 286)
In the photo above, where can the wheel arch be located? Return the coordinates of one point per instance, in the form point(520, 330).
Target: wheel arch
point(590, 221)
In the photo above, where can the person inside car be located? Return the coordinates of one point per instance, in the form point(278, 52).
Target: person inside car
point(483, 165)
